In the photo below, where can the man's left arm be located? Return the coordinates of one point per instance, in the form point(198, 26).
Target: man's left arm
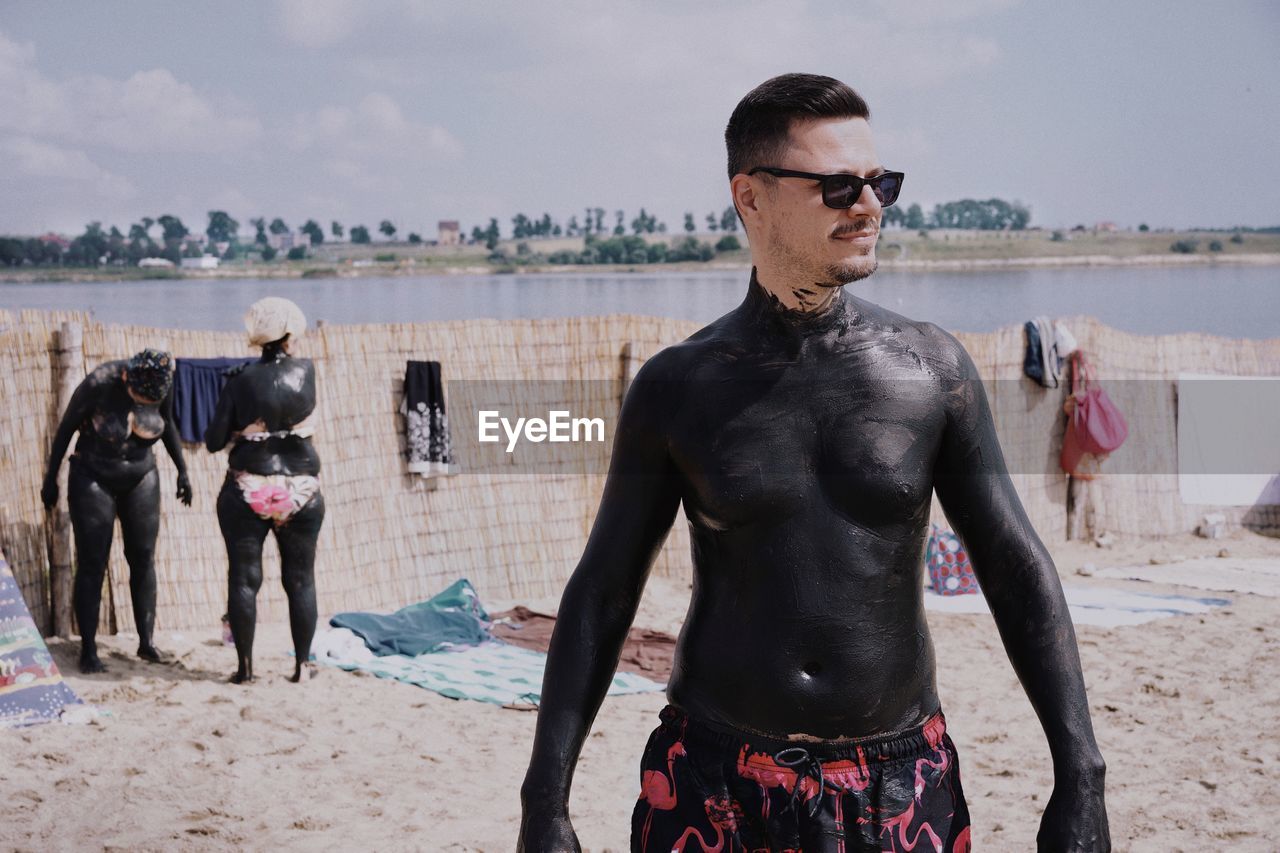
point(1022, 588)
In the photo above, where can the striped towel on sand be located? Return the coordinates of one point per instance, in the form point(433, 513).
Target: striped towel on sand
point(490, 672)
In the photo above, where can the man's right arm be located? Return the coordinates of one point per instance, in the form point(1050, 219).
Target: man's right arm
point(641, 495)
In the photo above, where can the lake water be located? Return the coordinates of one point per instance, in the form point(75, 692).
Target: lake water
point(1227, 300)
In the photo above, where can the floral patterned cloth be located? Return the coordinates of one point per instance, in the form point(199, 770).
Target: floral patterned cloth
point(276, 497)
point(428, 446)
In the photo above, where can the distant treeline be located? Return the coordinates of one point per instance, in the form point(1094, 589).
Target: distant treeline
point(994, 214)
point(636, 250)
point(166, 236)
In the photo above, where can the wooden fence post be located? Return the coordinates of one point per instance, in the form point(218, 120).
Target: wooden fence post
point(1079, 516)
point(70, 367)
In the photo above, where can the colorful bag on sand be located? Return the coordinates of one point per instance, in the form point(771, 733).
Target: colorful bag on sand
point(948, 563)
point(1095, 427)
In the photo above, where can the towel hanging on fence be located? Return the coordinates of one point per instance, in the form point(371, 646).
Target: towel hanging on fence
point(197, 382)
point(429, 448)
point(1048, 346)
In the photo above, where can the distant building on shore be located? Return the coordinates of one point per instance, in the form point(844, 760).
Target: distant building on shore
point(289, 240)
point(204, 262)
point(449, 232)
point(160, 263)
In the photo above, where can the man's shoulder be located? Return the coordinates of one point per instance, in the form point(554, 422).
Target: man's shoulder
point(672, 363)
point(943, 348)
point(686, 359)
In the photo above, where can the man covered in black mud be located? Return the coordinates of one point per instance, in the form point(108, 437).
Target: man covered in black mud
point(805, 432)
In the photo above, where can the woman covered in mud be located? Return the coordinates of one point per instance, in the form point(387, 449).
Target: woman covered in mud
point(272, 486)
point(119, 410)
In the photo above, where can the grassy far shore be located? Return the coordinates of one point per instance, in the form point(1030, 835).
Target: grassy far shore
point(930, 250)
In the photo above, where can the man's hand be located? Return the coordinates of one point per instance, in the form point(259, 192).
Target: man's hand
point(49, 492)
point(547, 831)
point(1076, 818)
point(184, 488)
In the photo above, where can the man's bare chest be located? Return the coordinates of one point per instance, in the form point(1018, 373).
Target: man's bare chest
point(752, 449)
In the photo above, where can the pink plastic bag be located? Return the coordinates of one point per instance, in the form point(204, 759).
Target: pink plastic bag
point(1095, 427)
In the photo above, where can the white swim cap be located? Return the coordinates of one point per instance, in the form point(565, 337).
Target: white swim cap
point(271, 319)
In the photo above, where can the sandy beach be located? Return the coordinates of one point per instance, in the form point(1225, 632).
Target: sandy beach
point(184, 761)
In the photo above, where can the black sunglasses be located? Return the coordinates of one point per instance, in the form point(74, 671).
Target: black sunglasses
point(842, 191)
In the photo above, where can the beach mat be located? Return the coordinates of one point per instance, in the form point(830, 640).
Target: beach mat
point(492, 672)
point(645, 652)
point(451, 618)
point(1093, 605)
point(1260, 576)
point(31, 688)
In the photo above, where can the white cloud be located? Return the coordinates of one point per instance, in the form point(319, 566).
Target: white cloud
point(34, 159)
point(318, 23)
point(932, 12)
point(154, 111)
point(151, 111)
point(374, 144)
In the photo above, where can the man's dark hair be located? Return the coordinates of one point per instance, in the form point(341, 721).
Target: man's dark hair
point(759, 127)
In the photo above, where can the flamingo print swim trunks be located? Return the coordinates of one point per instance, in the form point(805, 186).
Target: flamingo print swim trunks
point(709, 787)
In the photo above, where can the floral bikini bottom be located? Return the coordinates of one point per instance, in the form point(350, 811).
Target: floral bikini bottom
point(276, 497)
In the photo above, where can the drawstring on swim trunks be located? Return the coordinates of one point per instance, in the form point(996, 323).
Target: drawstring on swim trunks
point(797, 758)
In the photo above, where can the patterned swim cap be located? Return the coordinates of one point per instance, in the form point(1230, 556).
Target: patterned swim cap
point(151, 374)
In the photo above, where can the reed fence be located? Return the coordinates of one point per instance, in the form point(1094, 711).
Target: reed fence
point(391, 538)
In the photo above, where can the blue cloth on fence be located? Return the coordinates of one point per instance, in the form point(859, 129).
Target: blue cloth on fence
point(197, 383)
point(452, 618)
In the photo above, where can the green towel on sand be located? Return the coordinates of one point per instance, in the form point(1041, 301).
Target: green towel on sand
point(452, 618)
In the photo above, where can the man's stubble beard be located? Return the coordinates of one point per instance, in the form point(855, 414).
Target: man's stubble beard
point(829, 275)
point(847, 272)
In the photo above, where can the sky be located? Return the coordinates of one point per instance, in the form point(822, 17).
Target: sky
point(420, 110)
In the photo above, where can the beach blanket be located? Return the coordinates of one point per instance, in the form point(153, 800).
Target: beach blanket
point(1260, 576)
point(31, 688)
point(455, 617)
point(1093, 605)
point(646, 651)
point(493, 672)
